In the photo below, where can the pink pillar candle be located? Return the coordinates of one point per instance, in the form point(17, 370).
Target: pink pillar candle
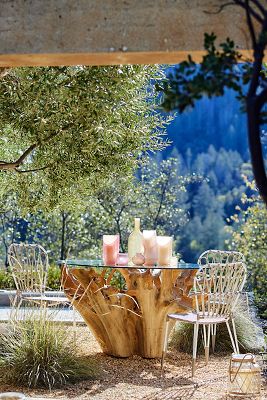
point(111, 244)
point(164, 250)
point(150, 247)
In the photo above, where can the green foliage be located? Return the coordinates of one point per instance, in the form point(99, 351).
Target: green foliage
point(84, 127)
point(37, 352)
point(6, 280)
point(158, 197)
point(250, 237)
point(247, 333)
point(218, 70)
point(53, 279)
point(196, 194)
point(188, 198)
point(212, 200)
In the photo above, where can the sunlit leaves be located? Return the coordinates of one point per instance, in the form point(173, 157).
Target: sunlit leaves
point(91, 125)
point(219, 69)
point(250, 238)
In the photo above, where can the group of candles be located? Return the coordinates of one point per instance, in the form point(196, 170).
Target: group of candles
point(143, 249)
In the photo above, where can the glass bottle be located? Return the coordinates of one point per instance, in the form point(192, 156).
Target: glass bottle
point(135, 241)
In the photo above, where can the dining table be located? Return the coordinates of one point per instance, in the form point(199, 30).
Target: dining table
point(126, 307)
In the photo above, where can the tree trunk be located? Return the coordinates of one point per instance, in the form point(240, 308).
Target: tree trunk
point(63, 250)
point(257, 161)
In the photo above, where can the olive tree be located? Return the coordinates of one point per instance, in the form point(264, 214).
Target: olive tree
point(66, 132)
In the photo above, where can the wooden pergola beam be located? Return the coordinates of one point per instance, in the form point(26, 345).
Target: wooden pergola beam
point(106, 32)
point(57, 59)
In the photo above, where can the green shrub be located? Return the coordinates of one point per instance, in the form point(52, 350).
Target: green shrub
point(6, 280)
point(38, 352)
point(53, 279)
point(250, 238)
point(247, 332)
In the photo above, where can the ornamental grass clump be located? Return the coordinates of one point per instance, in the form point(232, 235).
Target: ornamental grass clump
point(38, 352)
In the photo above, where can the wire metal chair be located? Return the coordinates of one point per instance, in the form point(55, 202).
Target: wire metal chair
point(216, 290)
point(221, 256)
point(29, 266)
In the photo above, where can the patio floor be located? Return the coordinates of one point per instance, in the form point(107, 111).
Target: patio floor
point(136, 378)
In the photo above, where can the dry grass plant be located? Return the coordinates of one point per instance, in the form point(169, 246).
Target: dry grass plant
point(35, 351)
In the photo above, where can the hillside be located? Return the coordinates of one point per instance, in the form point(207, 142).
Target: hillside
point(217, 121)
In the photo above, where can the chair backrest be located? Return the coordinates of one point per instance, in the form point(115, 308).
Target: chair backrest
point(220, 256)
point(29, 265)
point(217, 287)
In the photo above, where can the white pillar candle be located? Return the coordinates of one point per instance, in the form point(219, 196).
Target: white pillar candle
point(150, 247)
point(164, 250)
point(111, 245)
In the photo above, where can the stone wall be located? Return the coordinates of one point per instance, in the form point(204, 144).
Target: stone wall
point(54, 32)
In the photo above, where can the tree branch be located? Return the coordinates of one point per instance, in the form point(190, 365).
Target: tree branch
point(163, 192)
point(251, 26)
point(258, 59)
point(13, 165)
point(220, 9)
point(32, 170)
point(239, 3)
point(260, 6)
point(244, 5)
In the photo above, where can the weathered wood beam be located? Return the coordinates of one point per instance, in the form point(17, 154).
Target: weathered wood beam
point(173, 57)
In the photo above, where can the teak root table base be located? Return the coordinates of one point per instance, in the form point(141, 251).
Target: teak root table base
point(131, 321)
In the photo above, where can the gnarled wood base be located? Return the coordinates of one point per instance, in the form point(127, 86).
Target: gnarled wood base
point(131, 321)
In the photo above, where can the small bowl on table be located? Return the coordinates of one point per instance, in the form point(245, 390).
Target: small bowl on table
point(122, 259)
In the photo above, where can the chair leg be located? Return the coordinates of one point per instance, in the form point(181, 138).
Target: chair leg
point(165, 343)
point(207, 350)
point(235, 336)
point(206, 336)
point(16, 301)
point(74, 326)
point(231, 337)
point(213, 336)
point(194, 348)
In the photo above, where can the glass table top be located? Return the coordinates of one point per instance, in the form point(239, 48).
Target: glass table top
point(99, 264)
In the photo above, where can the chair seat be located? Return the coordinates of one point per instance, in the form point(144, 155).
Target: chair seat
point(193, 318)
point(47, 299)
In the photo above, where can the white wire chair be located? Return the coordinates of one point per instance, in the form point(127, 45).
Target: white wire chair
point(216, 290)
point(221, 256)
point(29, 266)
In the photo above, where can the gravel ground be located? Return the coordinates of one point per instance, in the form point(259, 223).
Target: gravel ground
point(136, 378)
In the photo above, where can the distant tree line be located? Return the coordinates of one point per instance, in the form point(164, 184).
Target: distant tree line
point(191, 199)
